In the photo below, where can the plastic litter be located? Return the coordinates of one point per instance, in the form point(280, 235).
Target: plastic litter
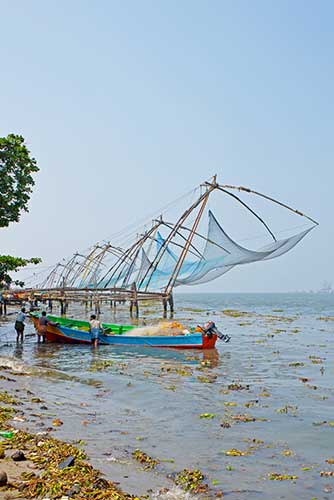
point(6, 434)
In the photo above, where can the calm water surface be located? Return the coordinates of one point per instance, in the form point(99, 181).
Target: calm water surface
point(118, 399)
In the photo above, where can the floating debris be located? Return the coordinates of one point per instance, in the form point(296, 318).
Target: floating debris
point(146, 460)
point(288, 409)
point(265, 394)
point(37, 400)
point(225, 424)
point(234, 313)
point(238, 387)
point(234, 452)
point(57, 422)
point(6, 398)
point(273, 476)
point(316, 360)
point(243, 418)
point(249, 404)
point(207, 379)
point(287, 453)
point(207, 415)
point(100, 365)
point(324, 422)
point(309, 386)
point(184, 371)
point(191, 480)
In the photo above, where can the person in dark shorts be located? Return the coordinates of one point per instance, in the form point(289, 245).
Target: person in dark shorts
point(19, 325)
point(43, 322)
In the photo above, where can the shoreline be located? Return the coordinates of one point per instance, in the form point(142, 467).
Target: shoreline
point(260, 425)
point(22, 418)
point(40, 474)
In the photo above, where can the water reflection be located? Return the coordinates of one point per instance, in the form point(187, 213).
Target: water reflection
point(210, 358)
point(18, 351)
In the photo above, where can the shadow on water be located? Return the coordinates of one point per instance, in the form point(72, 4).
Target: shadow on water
point(18, 351)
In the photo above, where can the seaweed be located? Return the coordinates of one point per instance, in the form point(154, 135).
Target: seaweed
point(143, 458)
point(191, 480)
point(288, 409)
point(234, 452)
point(274, 476)
point(238, 387)
point(6, 398)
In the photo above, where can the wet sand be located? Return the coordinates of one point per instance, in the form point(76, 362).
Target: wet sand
point(40, 471)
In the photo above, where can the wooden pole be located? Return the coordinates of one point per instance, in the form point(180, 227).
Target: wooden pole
point(173, 232)
point(171, 304)
point(247, 190)
point(164, 303)
point(184, 252)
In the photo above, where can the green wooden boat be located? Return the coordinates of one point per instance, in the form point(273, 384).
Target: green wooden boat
point(84, 325)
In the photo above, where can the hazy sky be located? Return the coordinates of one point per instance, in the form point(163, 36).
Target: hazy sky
point(128, 104)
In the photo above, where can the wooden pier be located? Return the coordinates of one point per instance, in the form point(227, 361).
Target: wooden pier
point(94, 299)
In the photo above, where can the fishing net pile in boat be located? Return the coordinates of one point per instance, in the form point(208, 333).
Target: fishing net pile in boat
point(165, 328)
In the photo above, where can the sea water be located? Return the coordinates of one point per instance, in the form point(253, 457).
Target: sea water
point(268, 393)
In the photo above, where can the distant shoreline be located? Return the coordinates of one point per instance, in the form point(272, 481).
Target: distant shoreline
point(258, 293)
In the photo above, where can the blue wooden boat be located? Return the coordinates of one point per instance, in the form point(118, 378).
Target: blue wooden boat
point(80, 335)
point(186, 341)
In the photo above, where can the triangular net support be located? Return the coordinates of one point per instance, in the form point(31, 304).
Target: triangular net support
point(221, 254)
point(183, 253)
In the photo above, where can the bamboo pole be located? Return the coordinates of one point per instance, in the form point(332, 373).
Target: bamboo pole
point(248, 190)
point(171, 235)
point(184, 252)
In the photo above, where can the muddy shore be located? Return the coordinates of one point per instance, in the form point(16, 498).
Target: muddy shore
point(34, 463)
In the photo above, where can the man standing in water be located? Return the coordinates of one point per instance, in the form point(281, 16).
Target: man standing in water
point(19, 325)
point(94, 328)
point(43, 322)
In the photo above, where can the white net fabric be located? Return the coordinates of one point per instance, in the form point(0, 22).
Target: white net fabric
point(221, 254)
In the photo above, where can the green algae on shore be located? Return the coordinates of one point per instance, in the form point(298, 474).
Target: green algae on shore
point(50, 479)
point(47, 453)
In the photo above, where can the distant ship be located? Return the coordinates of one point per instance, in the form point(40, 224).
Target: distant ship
point(326, 288)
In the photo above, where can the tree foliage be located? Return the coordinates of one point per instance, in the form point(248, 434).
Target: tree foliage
point(16, 180)
point(11, 264)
